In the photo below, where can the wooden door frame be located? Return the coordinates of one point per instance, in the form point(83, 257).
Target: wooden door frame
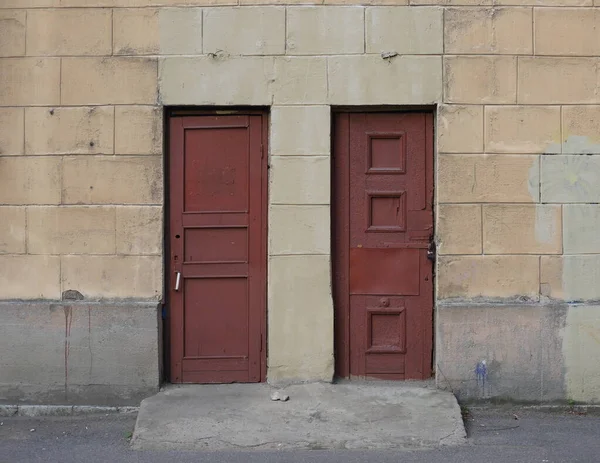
point(340, 233)
point(186, 111)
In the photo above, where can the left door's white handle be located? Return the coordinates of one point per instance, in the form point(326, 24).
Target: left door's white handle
point(177, 281)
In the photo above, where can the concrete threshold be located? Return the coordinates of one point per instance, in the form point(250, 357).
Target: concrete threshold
point(373, 415)
point(60, 410)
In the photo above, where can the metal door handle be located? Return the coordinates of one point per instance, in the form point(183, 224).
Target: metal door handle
point(177, 281)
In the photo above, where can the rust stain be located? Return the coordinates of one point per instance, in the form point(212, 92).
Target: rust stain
point(68, 320)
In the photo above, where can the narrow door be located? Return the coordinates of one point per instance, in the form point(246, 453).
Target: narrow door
point(383, 225)
point(217, 248)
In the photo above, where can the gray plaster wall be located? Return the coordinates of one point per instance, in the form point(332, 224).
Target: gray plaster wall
point(77, 352)
point(537, 352)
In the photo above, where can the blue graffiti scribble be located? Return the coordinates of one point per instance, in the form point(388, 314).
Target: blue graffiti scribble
point(481, 372)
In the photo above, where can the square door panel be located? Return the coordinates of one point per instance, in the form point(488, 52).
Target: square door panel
point(386, 330)
point(386, 153)
point(386, 211)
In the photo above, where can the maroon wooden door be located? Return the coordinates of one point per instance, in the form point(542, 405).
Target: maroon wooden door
point(383, 224)
point(218, 248)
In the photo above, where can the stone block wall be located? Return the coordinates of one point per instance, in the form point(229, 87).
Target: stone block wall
point(515, 88)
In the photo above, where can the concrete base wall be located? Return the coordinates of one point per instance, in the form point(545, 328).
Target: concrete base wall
point(521, 352)
point(93, 353)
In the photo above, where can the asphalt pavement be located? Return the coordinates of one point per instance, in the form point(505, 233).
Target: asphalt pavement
point(507, 434)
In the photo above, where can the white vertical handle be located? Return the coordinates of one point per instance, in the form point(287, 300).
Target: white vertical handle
point(177, 281)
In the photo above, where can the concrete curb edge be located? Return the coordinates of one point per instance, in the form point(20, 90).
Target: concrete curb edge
point(61, 410)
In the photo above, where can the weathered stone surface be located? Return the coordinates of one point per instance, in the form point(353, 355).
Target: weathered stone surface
point(136, 31)
point(460, 129)
point(87, 353)
point(488, 277)
point(567, 31)
point(81, 130)
point(180, 29)
point(113, 80)
point(258, 31)
point(404, 30)
point(112, 180)
point(522, 229)
point(12, 230)
point(325, 30)
point(522, 129)
point(139, 230)
point(480, 79)
point(544, 80)
point(299, 180)
point(299, 294)
point(459, 229)
point(29, 277)
point(571, 179)
point(69, 31)
point(476, 361)
point(300, 130)
point(71, 230)
point(488, 178)
point(371, 80)
point(12, 131)
point(29, 180)
point(581, 223)
point(216, 80)
point(300, 80)
point(488, 30)
point(571, 278)
point(12, 32)
point(29, 81)
point(299, 230)
point(112, 277)
point(138, 130)
point(581, 129)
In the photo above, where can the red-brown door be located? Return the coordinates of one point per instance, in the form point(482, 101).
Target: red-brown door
point(217, 238)
point(383, 224)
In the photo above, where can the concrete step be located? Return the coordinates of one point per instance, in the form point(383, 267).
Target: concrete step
point(352, 415)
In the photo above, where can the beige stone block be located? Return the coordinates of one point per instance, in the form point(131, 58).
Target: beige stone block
point(522, 229)
point(146, 3)
point(366, 2)
point(109, 81)
point(281, 2)
point(571, 278)
point(581, 129)
point(370, 80)
point(12, 131)
point(71, 230)
point(404, 30)
point(488, 178)
point(28, 3)
point(557, 80)
point(299, 180)
point(29, 180)
point(29, 81)
point(139, 230)
point(79, 130)
point(488, 277)
point(545, 2)
point(12, 230)
point(29, 277)
point(580, 344)
point(136, 31)
point(180, 29)
point(488, 30)
point(299, 230)
point(12, 32)
point(581, 223)
point(253, 31)
point(216, 80)
point(459, 229)
point(112, 180)
point(567, 31)
point(138, 130)
point(300, 319)
point(113, 276)
point(460, 129)
point(66, 31)
point(522, 129)
point(325, 30)
point(480, 79)
point(300, 130)
point(452, 2)
point(300, 80)
point(570, 179)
